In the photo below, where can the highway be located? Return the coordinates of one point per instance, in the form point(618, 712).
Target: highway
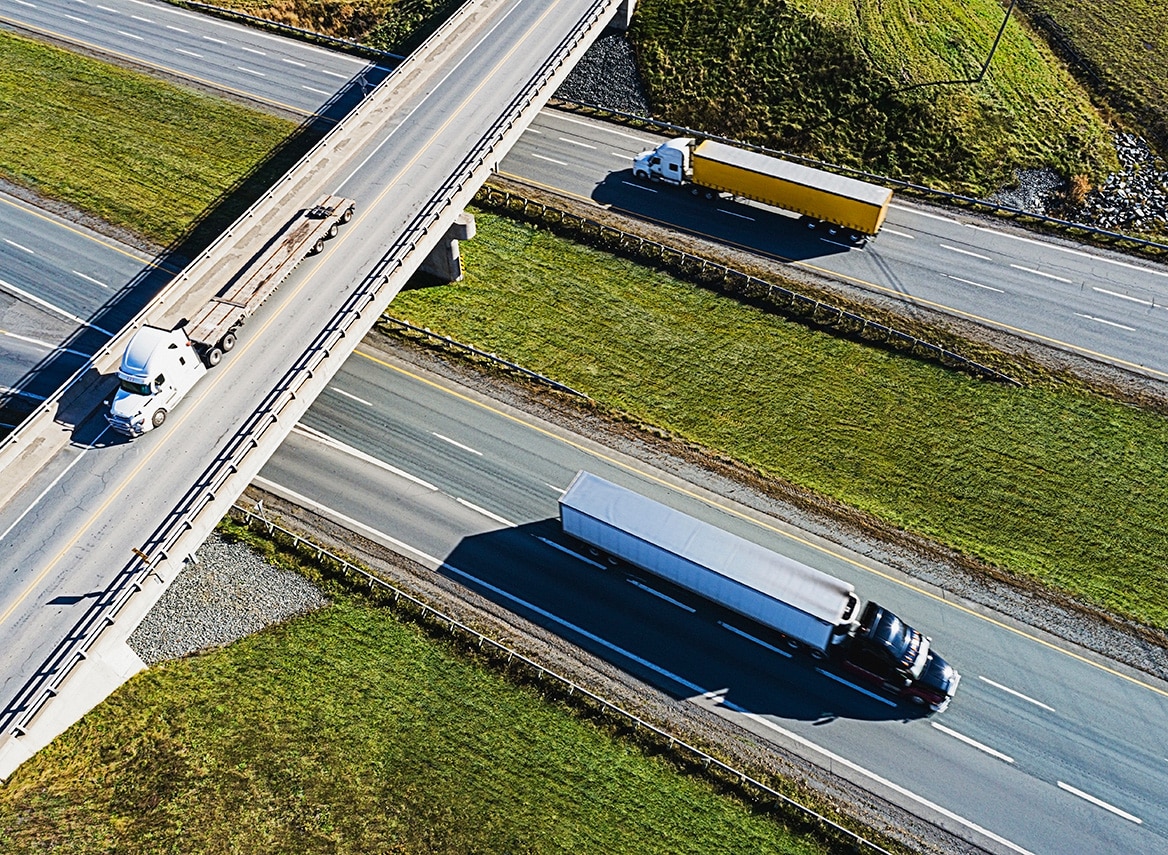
point(468, 485)
point(1045, 750)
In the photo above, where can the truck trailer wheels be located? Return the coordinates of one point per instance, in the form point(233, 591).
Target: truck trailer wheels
point(228, 342)
point(348, 215)
point(214, 357)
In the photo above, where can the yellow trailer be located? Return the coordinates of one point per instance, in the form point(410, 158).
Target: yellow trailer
point(847, 202)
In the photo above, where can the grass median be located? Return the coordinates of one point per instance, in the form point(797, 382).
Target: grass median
point(1049, 482)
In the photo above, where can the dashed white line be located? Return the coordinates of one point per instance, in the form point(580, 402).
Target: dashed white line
point(1105, 322)
point(130, 35)
point(293, 62)
point(638, 186)
point(90, 279)
point(574, 554)
point(108, 9)
point(351, 395)
point(484, 512)
point(978, 745)
point(859, 689)
point(844, 245)
point(176, 29)
point(1040, 273)
point(1015, 693)
point(577, 142)
point(971, 282)
point(20, 246)
point(549, 159)
point(189, 53)
point(1149, 303)
point(25, 3)
point(659, 595)
point(250, 71)
point(326, 440)
point(140, 18)
point(1100, 803)
point(47, 345)
point(965, 251)
point(75, 18)
point(20, 393)
point(215, 40)
point(757, 641)
point(1068, 250)
point(255, 51)
point(638, 140)
point(317, 91)
point(335, 74)
point(734, 214)
point(457, 444)
point(44, 304)
point(887, 230)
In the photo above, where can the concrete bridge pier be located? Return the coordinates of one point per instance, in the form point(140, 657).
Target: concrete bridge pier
point(624, 15)
point(444, 262)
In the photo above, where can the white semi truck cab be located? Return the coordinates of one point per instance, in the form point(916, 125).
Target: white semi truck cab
point(158, 368)
point(669, 162)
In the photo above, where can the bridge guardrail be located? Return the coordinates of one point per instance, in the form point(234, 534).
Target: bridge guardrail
point(512, 656)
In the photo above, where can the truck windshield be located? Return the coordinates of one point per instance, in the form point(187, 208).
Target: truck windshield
point(908, 647)
point(134, 388)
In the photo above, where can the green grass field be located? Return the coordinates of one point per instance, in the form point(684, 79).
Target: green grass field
point(132, 150)
point(1047, 482)
point(347, 731)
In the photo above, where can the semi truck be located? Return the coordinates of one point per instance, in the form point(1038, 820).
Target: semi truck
point(821, 197)
point(799, 604)
point(159, 366)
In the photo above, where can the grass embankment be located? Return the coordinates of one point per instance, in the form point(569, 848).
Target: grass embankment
point(125, 147)
point(348, 731)
point(1048, 482)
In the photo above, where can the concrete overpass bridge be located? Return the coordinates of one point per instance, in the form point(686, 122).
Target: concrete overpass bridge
point(92, 527)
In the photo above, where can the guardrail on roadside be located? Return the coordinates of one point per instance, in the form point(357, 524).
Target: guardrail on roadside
point(1069, 227)
point(512, 657)
point(778, 298)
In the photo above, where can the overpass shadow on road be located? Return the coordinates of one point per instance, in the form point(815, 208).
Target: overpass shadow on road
point(662, 634)
point(126, 301)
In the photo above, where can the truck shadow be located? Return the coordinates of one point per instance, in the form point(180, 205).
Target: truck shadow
point(673, 640)
point(738, 224)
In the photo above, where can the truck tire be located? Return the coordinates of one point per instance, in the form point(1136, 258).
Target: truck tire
point(228, 342)
point(158, 418)
point(348, 215)
point(317, 247)
point(214, 357)
point(812, 223)
point(333, 229)
point(654, 178)
point(641, 176)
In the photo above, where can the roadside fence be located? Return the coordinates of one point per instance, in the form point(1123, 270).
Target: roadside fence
point(545, 678)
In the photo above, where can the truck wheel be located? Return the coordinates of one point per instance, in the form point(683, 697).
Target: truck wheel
point(214, 357)
point(917, 699)
point(694, 191)
point(855, 237)
point(158, 418)
point(333, 229)
point(640, 176)
point(317, 247)
point(348, 215)
point(818, 654)
point(228, 342)
point(709, 194)
point(812, 224)
point(654, 178)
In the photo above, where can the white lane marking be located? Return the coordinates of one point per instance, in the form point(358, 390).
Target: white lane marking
point(176, 29)
point(899, 234)
point(549, 159)
point(923, 214)
point(189, 53)
point(457, 444)
point(619, 155)
point(757, 641)
point(1105, 322)
point(8, 390)
point(317, 91)
point(325, 439)
point(294, 62)
point(215, 40)
point(856, 767)
point(480, 510)
point(250, 71)
point(44, 304)
point(574, 554)
point(257, 52)
point(26, 3)
point(90, 279)
point(965, 251)
point(859, 689)
point(75, 18)
point(1040, 273)
point(351, 395)
point(560, 117)
point(734, 214)
point(535, 131)
point(376, 536)
point(1149, 303)
point(559, 490)
point(130, 35)
point(971, 282)
point(844, 245)
point(54, 483)
point(1099, 802)
point(47, 345)
point(968, 741)
point(638, 186)
point(577, 142)
point(1016, 694)
point(19, 246)
point(108, 9)
point(143, 20)
point(1068, 250)
point(659, 595)
point(334, 74)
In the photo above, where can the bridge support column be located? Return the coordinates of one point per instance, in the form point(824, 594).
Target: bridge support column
point(444, 262)
point(624, 15)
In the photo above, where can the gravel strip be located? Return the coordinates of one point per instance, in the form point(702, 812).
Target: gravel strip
point(230, 593)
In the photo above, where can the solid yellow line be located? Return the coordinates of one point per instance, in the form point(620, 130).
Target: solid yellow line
point(743, 516)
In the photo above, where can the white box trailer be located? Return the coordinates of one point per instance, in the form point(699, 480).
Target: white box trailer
point(777, 592)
